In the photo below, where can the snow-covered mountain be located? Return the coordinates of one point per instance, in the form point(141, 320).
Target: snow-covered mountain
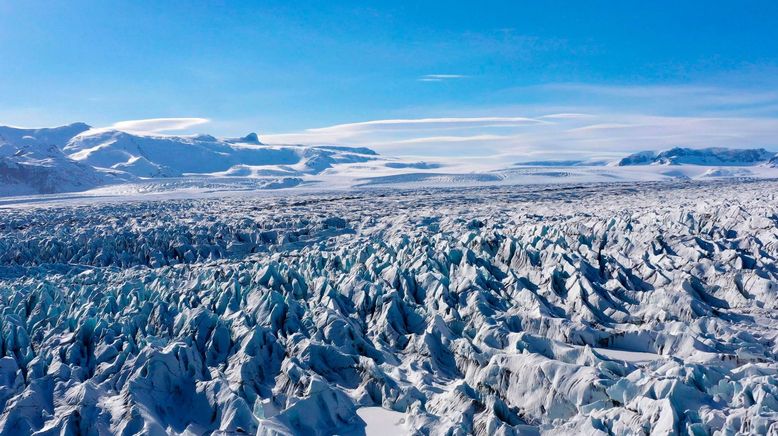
point(57, 136)
point(77, 157)
point(32, 162)
point(165, 156)
point(704, 156)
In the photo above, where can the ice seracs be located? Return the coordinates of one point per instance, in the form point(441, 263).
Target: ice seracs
point(628, 309)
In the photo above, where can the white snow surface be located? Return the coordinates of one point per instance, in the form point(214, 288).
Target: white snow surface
point(108, 162)
point(611, 308)
point(382, 422)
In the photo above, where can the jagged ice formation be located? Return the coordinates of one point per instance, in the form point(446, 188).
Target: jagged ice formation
point(601, 309)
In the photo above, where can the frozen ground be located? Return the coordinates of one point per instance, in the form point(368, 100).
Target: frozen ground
point(633, 308)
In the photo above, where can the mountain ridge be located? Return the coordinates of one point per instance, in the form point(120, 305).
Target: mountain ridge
point(78, 157)
point(713, 156)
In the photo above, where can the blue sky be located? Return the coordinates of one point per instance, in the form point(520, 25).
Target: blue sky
point(431, 78)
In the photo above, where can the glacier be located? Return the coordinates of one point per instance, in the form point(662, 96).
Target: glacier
point(85, 161)
point(609, 308)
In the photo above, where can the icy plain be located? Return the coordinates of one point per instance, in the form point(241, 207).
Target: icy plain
point(626, 309)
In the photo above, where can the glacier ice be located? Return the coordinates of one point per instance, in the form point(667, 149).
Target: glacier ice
point(642, 308)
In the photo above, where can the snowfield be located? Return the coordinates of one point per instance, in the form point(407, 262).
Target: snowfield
point(81, 161)
point(612, 308)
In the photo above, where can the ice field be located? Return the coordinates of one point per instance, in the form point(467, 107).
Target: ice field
point(628, 308)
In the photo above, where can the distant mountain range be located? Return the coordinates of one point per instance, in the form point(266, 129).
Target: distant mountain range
point(78, 157)
point(675, 156)
point(704, 156)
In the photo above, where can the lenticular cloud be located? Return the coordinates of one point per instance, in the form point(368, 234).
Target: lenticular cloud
point(158, 125)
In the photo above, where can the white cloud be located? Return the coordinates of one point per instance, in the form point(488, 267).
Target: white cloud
point(583, 135)
point(440, 122)
point(158, 125)
point(444, 139)
point(691, 98)
point(565, 116)
point(390, 131)
point(603, 126)
point(573, 120)
point(441, 77)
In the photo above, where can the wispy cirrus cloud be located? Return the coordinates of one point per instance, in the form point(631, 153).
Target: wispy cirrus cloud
point(439, 122)
point(709, 94)
point(441, 77)
point(573, 121)
point(448, 139)
point(395, 131)
point(597, 135)
point(683, 98)
point(159, 125)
